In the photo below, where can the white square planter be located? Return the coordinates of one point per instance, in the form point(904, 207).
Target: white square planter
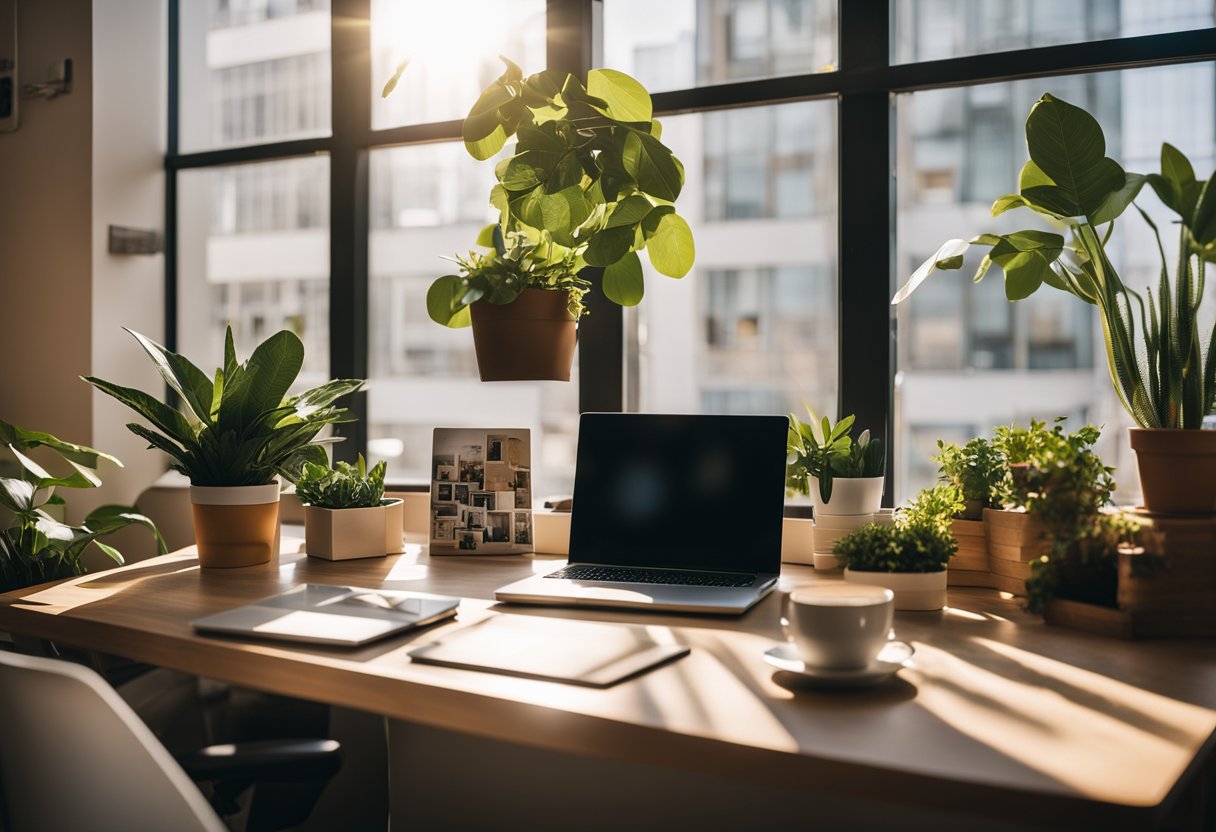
point(348, 533)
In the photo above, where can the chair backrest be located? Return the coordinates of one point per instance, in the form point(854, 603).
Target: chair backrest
point(73, 755)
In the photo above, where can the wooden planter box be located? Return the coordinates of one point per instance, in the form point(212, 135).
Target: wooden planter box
point(969, 566)
point(1166, 589)
point(1015, 538)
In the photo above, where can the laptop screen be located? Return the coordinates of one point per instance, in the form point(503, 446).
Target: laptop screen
point(682, 492)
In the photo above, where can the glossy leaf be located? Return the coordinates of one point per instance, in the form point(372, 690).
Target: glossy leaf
point(1067, 144)
point(608, 246)
point(623, 282)
point(651, 165)
point(671, 248)
point(626, 99)
point(443, 302)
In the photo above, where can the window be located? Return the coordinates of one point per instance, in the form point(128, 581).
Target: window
point(692, 43)
point(282, 216)
point(429, 201)
point(966, 355)
point(253, 72)
point(929, 30)
point(254, 252)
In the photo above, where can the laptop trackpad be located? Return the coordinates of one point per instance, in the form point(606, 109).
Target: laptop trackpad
point(617, 593)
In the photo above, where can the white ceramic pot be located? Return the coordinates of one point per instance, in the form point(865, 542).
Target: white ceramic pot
point(825, 563)
point(853, 495)
point(913, 590)
point(842, 522)
point(797, 540)
point(827, 537)
point(349, 533)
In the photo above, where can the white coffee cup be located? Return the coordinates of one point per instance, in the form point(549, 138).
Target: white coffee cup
point(839, 627)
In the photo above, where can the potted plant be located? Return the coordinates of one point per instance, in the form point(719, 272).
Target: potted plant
point(345, 513)
point(35, 547)
point(910, 556)
point(843, 478)
point(589, 184)
point(976, 470)
point(239, 433)
point(1162, 368)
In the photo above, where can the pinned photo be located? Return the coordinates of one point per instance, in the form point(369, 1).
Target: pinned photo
point(498, 527)
point(481, 491)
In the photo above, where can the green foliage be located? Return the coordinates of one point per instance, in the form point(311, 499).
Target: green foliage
point(904, 547)
point(589, 183)
point(500, 278)
point(343, 486)
point(820, 450)
point(1085, 567)
point(1162, 369)
point(1047, 463)
point(242, 428)
point(935, 507)
point(977, 470)
point(36, 547)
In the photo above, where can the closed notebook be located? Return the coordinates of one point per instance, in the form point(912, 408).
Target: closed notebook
point(555, 649)
point(321, 614)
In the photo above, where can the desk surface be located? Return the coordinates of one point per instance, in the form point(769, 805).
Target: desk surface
point(997, 712)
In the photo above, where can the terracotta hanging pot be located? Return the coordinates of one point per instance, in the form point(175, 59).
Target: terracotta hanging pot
point(530, 339)
point(1177, 469)
point(235, 526)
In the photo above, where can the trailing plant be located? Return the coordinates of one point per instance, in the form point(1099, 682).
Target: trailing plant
point(1163, 371)
point(589, 183)
point(36, 547)
point(500, 277)
point(903, 547)
point(822, 451)
point(1085, 567)
point(977, 470)
point(343, 486)
point(242, 427)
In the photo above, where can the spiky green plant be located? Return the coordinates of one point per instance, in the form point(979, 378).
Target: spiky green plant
point(1161, 368)
point(36, 547)
point(242, 428)
point(343, 486)
point(822, 451)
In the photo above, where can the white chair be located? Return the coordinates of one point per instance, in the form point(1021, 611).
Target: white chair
point(75, 756)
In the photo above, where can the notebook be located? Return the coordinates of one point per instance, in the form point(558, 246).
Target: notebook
point(554, 649)
point(321, 614)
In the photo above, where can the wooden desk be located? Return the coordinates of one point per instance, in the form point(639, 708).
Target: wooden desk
point(997, 715)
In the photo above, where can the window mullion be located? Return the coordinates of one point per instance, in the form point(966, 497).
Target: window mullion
point(866, 228)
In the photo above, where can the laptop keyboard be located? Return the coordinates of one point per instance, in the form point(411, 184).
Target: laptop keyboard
point(674, 577)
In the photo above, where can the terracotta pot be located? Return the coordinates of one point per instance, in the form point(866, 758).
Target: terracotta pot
point(349, 533)
point(1177, 470)
point(529, 339)
point(235, 526)
point(850, 495)
point(913, 590)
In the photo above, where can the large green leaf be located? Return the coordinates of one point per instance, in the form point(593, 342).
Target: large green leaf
point(80, 478)
point(16, 495)
point(609, 246)
point(1117, 201)
point(1067, 144)
point(652, 166)
point(563, 212)
point(483, 130)
point(948, 256)
point(163, 418)
point(187, 380)
point(443, 302)
point(629, 211)
point(623, 281)
point(88, 457)
point(626, 99)
point(670, 247)
point(272, 369)
point(110, 518)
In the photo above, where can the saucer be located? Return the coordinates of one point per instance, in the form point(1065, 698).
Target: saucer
point(890, 660)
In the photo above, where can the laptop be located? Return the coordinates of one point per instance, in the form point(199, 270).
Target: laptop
point(679, 513)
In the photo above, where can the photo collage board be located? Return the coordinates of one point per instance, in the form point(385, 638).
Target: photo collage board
point(481, 491)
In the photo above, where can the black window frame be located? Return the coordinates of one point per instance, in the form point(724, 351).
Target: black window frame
point(864, 85)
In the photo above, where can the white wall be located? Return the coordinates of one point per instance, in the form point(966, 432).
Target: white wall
point(79, 163)
point(129, 118)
